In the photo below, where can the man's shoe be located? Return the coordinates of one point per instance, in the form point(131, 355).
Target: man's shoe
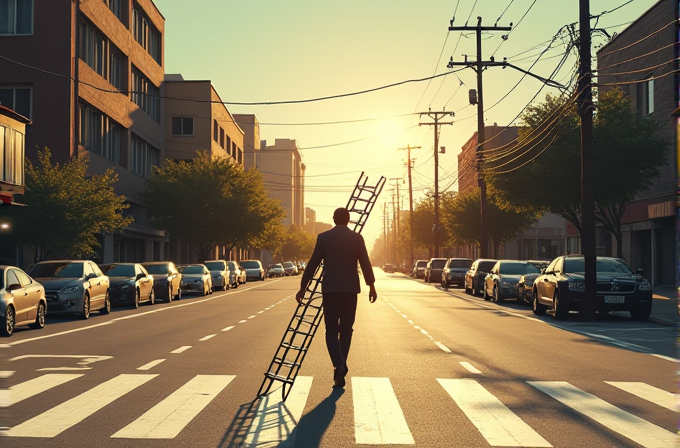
point(339, 377)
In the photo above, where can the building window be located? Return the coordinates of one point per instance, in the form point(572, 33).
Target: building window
point(92, 47)
point(143, 157)
point(116, 68)
point(216, 128)
point(115, 7)
point(182, 126)
point(11, 156)
point(229, 151)
point(146, 34)
point(16, 16)
point(647, 97)
point(18, 99)
point(240, 156)
point(99, 133)
point(145, 95)
point(222, 137)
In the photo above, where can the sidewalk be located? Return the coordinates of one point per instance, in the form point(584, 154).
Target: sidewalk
point(665, 307)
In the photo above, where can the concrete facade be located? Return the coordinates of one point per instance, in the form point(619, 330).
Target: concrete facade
point(251, 138)
point(641, 60)
point(109, 110)
point(283, 173)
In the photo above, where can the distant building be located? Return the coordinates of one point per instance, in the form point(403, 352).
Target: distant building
point(496, 137)
point(88, 73)
point(251, 138)
point(642, 60)
point(284, 177)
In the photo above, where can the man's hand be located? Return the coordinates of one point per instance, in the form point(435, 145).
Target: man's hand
point(372, 294)
point(300, 295)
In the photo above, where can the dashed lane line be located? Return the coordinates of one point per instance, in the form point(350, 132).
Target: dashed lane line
point(470, 368)
point(151, 364)
point(181, 349)
point(205, 338)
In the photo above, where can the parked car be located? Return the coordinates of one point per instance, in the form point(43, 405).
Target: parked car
point(454, 272)
point(433, 270)
point(276, 270)
point(525, 285)
point(220, 273)
point(22, 300)
point(237, 275)
point(419, 269)
point(130, 284)
point(290, 268)
point(561, 288)
point(254, 269)
point(73, 286)
point(166, 279)
point(501, 282)
point(389, 268)
point(474, 278)
point(196, 278)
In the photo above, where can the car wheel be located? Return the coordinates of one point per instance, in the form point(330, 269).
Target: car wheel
point(137, 299)
point(497, 295)
point(106, 309)
point(152, 297)
point(560, 312)
point(467, 290)
point(85, 314)
point(39, 318)
point(538, 308)
point(485, 295)
point(169, 299)
point(10, 317)
point(641, 311)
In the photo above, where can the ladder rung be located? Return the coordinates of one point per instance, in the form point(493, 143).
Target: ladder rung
point(304, 320)
point(316, 307)
point(286, 363)
point(294, 347)
point(293, 330)
point(283, 379)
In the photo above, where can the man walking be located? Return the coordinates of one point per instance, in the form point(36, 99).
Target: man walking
point(340, 248)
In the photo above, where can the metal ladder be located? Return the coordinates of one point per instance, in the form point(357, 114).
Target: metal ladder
point(303, 325)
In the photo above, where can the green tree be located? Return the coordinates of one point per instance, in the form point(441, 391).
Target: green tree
point(544, 171)
point(66, 208)
point(297, 244)
point(462, 219)
point(423, 220)
point(210, 201)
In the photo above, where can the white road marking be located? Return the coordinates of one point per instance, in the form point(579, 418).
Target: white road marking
point(170, 416)
point(242, 321)
point(227, 329)
point(628, 425)
point(616, 341)
point(86, 359)
point(378, 418)
point(404, 316)
point(423, 331)
point(416, 327)
point(275, 420)
point(410, 322)
point(260, 312)
point(62, 417)
point(181, 349)
point(443, 347)
point(470, 367)
point(251, 317)
point(46, 369)
point(205, 338)
point(6, 374)
point(33, 387)
point(195, 302)
point(667, 358)
point(496, 423)
point(151, 364)
point(648, 392)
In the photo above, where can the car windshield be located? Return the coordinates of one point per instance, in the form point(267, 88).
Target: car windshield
point(276, 266)
point(288, 265)
point(517, 269)
point(118, 270)
point(192, 270)
point(609, 266)
point(61, 270)
point(215, 265)
point(539, 264)
point(421, 264)
point(438, 264)
point(157, 268)
point(485, 266)
point(250, 265)
point(460, 264)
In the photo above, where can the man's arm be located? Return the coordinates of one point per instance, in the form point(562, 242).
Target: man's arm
point(308, 273)
point(367, 270)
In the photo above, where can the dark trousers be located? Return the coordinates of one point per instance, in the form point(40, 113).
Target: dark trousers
point(339, 311)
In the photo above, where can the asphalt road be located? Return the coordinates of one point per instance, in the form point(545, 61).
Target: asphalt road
point(429, 368)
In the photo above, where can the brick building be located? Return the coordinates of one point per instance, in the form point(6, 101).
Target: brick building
point(641, 60)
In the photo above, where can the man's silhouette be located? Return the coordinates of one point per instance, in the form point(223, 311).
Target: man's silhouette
point(340, 249)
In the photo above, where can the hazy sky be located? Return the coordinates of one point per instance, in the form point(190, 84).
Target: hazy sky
point(274, 50)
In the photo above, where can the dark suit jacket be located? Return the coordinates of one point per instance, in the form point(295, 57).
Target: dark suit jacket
point(340, 248)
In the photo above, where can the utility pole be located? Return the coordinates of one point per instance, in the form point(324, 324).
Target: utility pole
point(397, 227)
point(436, 116)
point(385, 233)
point(479, 67)
point(410, 197)
point(585, 111)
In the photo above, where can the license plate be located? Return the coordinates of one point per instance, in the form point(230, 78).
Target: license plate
point(614, 299)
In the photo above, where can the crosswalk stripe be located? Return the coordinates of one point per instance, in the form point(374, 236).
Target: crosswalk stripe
point(275, 420)
point(650, 393)
point(497, 424)
point(638, 430)
point(170, 416)
point(58, 419)
point(33, 387)
point(378, 418)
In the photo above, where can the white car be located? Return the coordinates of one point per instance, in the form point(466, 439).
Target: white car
point(254, 269)
point(276, 270)
point(220, 273)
